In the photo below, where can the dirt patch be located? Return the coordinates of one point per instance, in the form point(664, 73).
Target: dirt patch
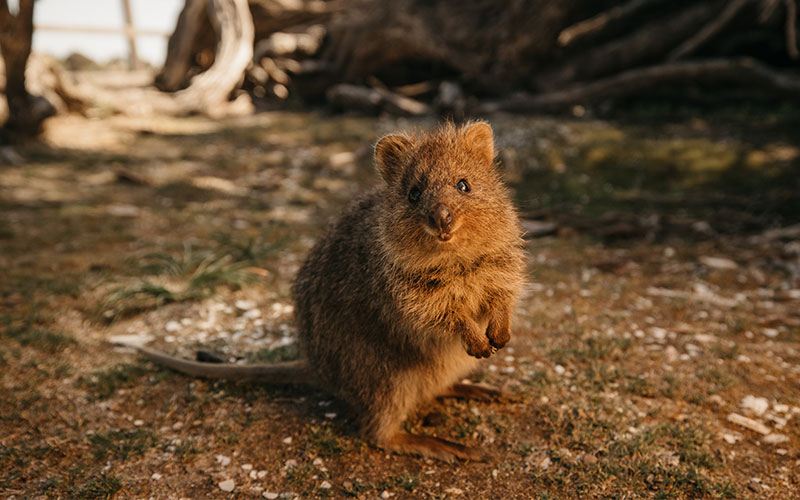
point(665, 291)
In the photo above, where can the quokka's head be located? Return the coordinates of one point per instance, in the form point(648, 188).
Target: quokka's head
point(443, 191)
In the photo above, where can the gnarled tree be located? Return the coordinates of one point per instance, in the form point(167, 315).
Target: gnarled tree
point(25, 112)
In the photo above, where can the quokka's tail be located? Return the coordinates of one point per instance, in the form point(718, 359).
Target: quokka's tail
point(288, 372)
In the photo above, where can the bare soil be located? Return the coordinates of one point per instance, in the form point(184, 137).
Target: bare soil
point(664, 290)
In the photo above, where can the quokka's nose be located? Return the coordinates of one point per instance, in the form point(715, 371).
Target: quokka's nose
point(440, 217)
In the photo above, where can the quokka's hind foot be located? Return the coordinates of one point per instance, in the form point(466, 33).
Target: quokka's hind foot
point(433, 447)
point(473, 391)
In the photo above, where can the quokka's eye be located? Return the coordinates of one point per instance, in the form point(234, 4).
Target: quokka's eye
point(462, 186)
point(414, 194)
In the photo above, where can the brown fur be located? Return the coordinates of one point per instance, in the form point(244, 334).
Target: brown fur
point(389, 315)
point(400, 299)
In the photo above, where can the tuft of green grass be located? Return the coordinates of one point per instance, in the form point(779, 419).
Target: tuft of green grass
point(121, 444)
point(591, 349)
point(46, 340)
point(405, 480)
point(299, 473)
point(719, 378)
point(358, 489)
point(103, 383)
point(101, 486)
point(289, 352)
point(185, 449)
point(192, 276)
point(27, 331)
point(253, 250)
point(524, 449)
point(469, 426)
point(323, 441)
point(538, 377)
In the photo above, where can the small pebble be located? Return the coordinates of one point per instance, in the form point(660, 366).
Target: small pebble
point(729, 438)
point(454, 491)
point(247, 466)
point(775, 438)
point(269, 495)
point(756, 405)
point(719, 263)
point(245, 305)
point(560, 370)
point(156, 476)
point(287, 440)
point(385, 494)
point(227, 485)
point(770, 332)
point(253, 314)
point(261, 474)
point(290, 463)
point(172, 326)
point(138, 423)
point(330, 415)
point(177, 426)
point(223, 460)
point(253, 474)
point(325, 485)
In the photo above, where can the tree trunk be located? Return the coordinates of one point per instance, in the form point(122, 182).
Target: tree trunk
point(181, 46)
point(25, 112)
point(209, 91)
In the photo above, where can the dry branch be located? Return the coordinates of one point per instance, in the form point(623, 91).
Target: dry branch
point(791, 29)
point(649, 42)
point(709, 30)
point(373, 100)
point(744, 71)
point(597, 23)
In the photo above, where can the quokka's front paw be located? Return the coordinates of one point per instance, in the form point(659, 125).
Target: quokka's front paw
point(498, 333)
point(479, 347)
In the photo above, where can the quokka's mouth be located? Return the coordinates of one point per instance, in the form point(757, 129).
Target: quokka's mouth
point(441, 236)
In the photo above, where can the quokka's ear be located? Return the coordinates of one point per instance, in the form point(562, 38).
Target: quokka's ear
point(480, 141)
point(391, 153)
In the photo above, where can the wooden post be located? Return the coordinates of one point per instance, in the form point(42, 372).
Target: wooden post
point(130, 33)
